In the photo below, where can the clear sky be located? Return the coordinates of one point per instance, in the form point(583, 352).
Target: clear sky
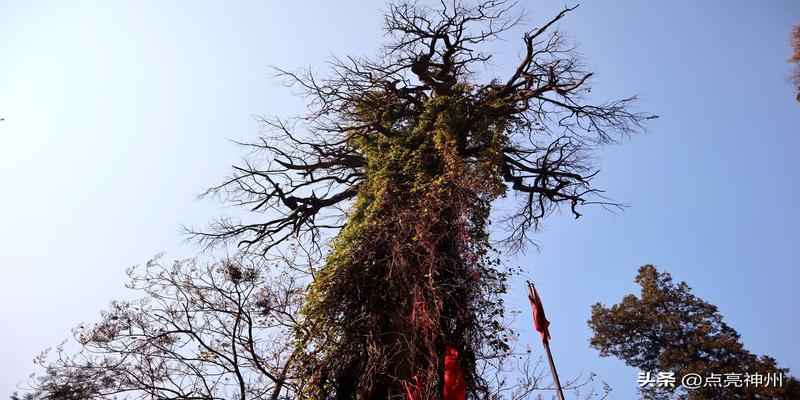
point(116, 116)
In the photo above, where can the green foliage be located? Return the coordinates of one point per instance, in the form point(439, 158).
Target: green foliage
point(669, 329)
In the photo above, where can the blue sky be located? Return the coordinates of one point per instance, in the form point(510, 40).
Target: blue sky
point(118, 115)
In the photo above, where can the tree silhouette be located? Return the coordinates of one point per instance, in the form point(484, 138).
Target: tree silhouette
point(669, 329)
point(391, 178)
point(200, 331)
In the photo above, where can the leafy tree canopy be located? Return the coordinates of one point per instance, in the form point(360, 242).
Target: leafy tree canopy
point(667, 328)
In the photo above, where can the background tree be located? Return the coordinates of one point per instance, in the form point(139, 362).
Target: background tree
point(399, 162)
point(669, 329)
point(198, 332)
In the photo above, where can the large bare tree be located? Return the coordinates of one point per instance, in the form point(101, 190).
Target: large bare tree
point(392, 176)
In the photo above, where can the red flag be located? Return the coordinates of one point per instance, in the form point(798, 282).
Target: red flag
point(539, 321)
point(455, 387)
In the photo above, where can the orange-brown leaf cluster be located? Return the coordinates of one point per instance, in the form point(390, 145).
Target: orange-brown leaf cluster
point(795, 41)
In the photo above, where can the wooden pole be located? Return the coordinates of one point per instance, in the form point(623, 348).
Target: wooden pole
point(553, 371)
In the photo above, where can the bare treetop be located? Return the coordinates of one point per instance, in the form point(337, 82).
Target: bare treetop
point(312, 167)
